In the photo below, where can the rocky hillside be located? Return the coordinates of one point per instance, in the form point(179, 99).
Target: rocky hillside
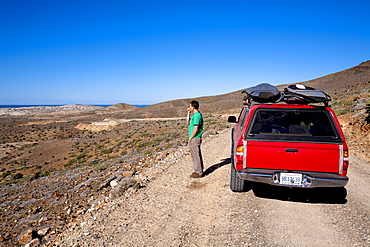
point(349, 89)
point(53, 172)
point(349, 79)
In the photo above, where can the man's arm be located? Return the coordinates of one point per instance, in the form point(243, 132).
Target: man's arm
point(195, 130)
point(188, 117)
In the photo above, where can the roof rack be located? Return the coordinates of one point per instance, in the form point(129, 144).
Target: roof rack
point(293, 94)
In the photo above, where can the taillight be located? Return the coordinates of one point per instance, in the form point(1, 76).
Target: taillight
point(240, 150)
point(239, 154)
point(343, 161)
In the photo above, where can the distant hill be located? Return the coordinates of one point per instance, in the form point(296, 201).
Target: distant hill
point(122, 106)
point(342, 86)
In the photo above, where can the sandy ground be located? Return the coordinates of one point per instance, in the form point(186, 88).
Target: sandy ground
point(175, 210)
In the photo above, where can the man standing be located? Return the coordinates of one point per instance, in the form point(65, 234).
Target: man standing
point(195, 138)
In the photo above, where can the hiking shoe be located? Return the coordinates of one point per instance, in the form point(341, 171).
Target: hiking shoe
point(195, 175)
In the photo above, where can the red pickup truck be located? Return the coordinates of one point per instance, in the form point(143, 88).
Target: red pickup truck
point(293, 145)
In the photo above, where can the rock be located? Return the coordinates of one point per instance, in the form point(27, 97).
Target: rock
point(123, 186)
point(43, 231)
point(97, 201)
point(43, 219)
point(113, 183)
point(85, 193)
point(127, 173)
point(79, 212)
point(107, 183)
point(26, 237)
point(35, 242)
point(25, 204)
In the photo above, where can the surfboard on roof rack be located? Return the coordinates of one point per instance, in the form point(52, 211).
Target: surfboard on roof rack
point(301, 94)
point(263, 93)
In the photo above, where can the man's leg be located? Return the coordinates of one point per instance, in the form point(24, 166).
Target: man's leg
point(196, 155)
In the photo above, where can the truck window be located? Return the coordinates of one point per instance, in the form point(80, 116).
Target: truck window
point(243, 118)
point(294, 125)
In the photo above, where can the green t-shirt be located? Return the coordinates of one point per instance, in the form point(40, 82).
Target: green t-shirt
point(196, 119)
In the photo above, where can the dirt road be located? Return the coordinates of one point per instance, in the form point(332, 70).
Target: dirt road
point(174, 210)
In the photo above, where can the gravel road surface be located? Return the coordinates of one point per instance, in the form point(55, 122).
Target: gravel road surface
point(175, 210)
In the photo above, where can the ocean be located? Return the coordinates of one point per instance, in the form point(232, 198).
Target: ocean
point(19, 106)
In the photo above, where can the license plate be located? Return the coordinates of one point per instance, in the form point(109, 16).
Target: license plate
point(290, 178)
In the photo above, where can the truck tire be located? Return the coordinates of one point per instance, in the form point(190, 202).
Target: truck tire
point(236, 184)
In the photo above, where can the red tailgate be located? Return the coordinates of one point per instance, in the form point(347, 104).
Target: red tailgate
point(293, 156)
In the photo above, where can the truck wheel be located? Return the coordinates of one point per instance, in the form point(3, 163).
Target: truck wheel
point(236, 184)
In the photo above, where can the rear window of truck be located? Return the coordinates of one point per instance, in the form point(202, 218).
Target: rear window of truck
point(304, 125)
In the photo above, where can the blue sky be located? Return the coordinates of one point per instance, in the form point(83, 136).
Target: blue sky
point(145, 52)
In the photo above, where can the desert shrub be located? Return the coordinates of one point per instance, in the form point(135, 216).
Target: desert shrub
point(148, 135)
point(41, 174)
point(17, 176)
point(100, 168)
point(70, 162)
point(136, 140)
point(81, 156)
point(367, 119)
point(91, 163)
point(143, 144)
point(210, 121)
point(106, 151)
point(5, 174)
point(342, 111)
point(347, 103)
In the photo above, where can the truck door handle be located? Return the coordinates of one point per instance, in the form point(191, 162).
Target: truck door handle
point(291, 150)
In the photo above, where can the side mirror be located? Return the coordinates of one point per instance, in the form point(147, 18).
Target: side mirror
point(231, 119)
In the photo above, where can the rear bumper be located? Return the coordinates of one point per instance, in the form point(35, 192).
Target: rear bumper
point(309, 180)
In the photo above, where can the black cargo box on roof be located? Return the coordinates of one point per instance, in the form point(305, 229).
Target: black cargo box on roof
point(300, 94)
point(263, 93)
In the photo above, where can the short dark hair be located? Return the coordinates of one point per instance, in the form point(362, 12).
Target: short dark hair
point(195, 104)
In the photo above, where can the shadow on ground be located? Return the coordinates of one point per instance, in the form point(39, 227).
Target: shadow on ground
point(213, 168)
point(304, 195)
